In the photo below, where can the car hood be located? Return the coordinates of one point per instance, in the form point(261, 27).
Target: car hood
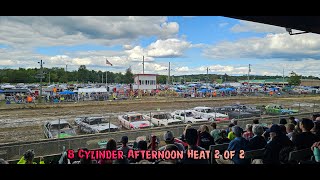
point(216, 115)
point(289, 110)
point(139, 124)
point(103, 126)
point(168, 120)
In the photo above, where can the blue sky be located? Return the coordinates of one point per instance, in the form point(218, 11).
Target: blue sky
point(191, 44)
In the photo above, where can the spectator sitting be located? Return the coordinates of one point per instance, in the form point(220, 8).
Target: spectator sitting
point(188, 126)
point(239, 143)
point(142, 145)
point(316, 129)
point(111, 146)
point(231, 134)
point(315, 116)
point(290, 129)
point(248, 134)
point(215, 133)
point(191, 136)
point(283, 128)
point(28, 158)
point(256, 121)
point(283, 121)
point(170, 147)
point(205, 139)
point(306, 138)
point(292, 120)
point(124, 148)
point(297, 130)
point(84, 160)
point(223, 138)
point(257, 142)
point(277, 142)
point(169, 139)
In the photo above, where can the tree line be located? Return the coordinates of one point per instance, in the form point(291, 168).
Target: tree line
point(84, 75)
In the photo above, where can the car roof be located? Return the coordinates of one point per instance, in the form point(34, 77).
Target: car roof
point(133, 114)
point(62, 121)
point(202, 107)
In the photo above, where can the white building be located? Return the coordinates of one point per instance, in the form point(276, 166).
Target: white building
point(145, 81)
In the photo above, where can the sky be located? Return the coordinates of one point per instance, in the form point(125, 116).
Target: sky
point(190, 43)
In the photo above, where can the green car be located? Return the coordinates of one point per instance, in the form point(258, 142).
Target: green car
point(274, 109)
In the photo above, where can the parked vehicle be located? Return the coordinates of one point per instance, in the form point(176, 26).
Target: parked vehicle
point(163, 119)
point(134, 120)
point(275, 109)
point(58, 129)
point(208, 112)
point(190, 116)
point(92, 125)
point(249, 109)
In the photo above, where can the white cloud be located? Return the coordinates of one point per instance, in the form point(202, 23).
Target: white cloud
point(30, 31)
point(221, 25)
point(183, 69)
point(248, 26)
point(281, 46)
point(167, 48)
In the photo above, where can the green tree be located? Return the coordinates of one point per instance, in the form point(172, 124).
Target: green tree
point(118, 79)
point(128, 77)
point(294, 79)
point(162, 79)
point(83, 73)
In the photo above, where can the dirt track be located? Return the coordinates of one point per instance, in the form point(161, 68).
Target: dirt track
point(25, 124)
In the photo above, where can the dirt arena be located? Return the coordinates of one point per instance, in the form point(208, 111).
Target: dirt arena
point(24, 122)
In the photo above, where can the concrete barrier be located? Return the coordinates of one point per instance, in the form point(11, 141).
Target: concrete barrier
point(10, 151)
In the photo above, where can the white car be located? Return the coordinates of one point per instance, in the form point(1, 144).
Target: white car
point(163, 119)
point(134, 120)
point(208, 112)
point(189, 116)
point(93, 125)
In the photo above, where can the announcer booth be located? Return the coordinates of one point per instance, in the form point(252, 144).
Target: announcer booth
point(145, 82)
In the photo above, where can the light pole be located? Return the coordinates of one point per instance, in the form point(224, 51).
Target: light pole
point(249, 77)
point(168, 81)
point(40, 75)
point(207, 77)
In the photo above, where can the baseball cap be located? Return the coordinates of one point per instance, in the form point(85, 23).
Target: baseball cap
point(168, 136)
point(124, 139)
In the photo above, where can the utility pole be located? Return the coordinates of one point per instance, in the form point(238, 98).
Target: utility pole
point(102, 78)
point(67, 72)
point(49, 77)
point(169, 74)
point(207, 77)
point(283, 78)
point(107, 80)
point(142, 64)
point(40, 76)
point(249, 76)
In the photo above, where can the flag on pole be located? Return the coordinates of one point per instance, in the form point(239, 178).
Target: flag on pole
point(108, 62)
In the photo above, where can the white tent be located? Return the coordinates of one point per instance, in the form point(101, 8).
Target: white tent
point(91, 90)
